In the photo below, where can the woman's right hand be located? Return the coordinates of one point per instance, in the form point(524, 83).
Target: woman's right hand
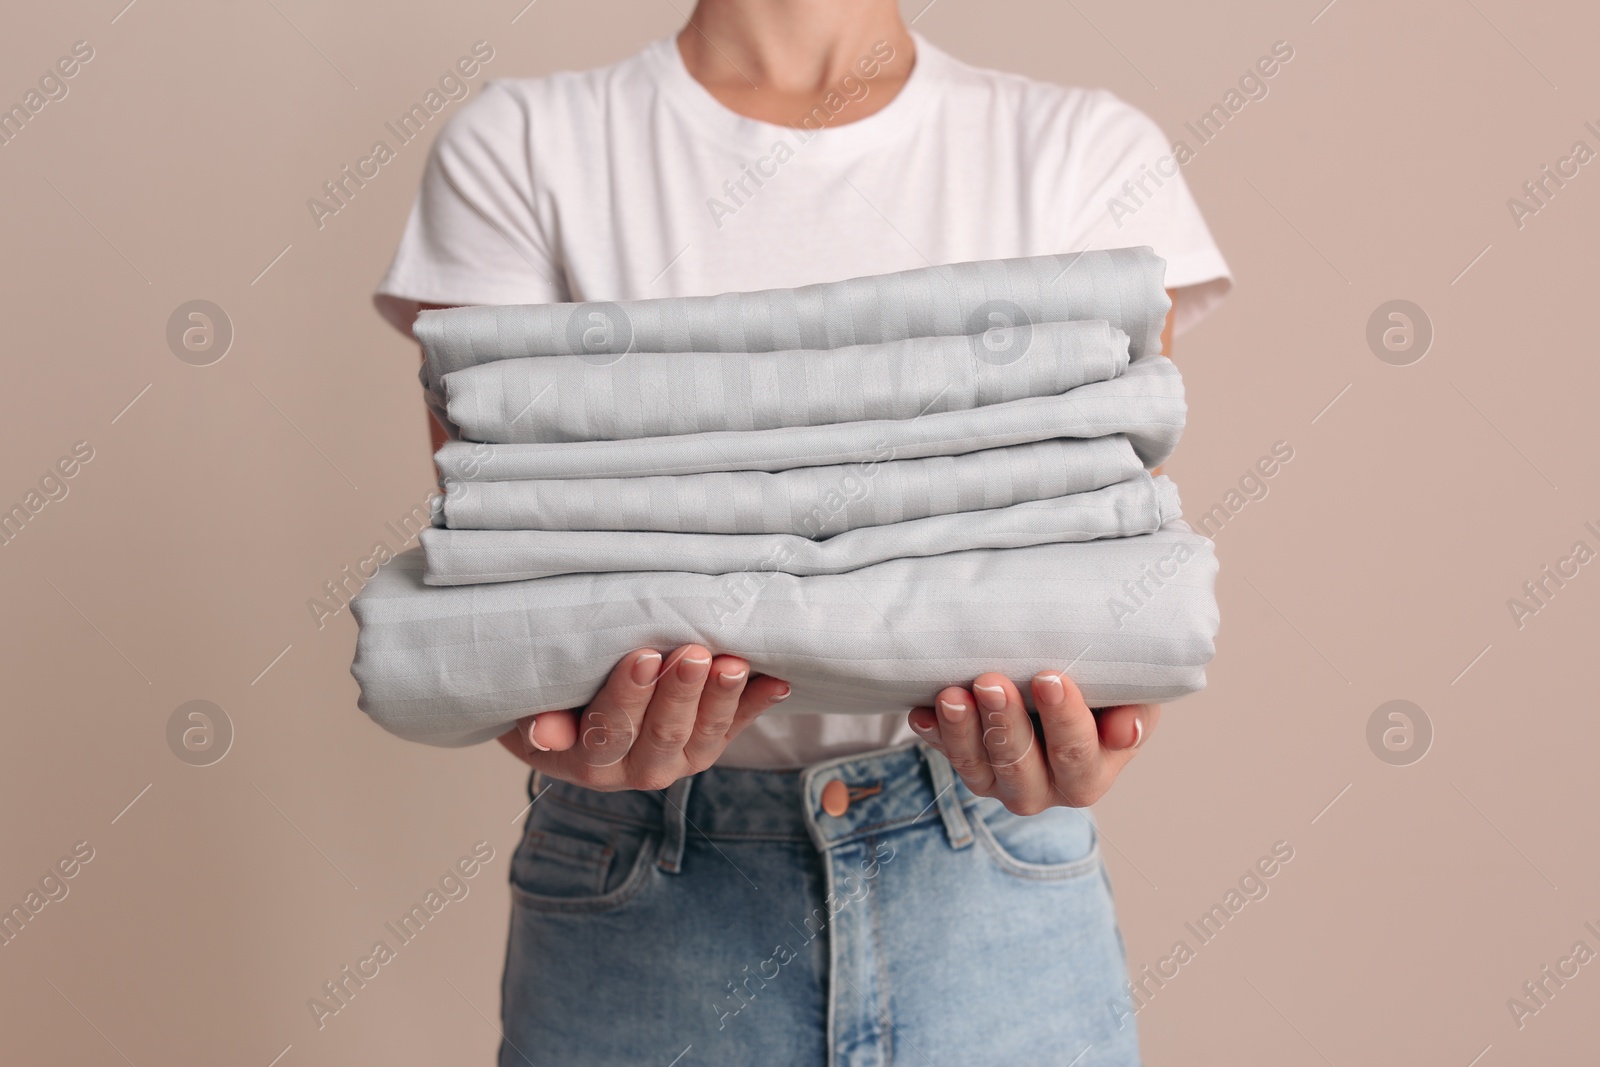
point(654, 721)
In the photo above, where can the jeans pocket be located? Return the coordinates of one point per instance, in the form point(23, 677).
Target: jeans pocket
point(571, 861)
point(1057, 843)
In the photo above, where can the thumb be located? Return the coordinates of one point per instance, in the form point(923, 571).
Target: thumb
point(550, 731)
point(1126, 726)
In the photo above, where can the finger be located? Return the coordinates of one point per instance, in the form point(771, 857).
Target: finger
point(718, 703)
point(553, 731)
point(1021, 778)
point(963, 742)
point(1124, 729)
point(762, 693)
point(610, 723)
point(1071, 740)
point(656, 759)
point(925, 721)
point(515, 739)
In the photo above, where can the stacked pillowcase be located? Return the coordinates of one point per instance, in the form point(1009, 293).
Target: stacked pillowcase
point(871, 488)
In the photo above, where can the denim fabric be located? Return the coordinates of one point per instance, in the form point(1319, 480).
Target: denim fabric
point(730, 920)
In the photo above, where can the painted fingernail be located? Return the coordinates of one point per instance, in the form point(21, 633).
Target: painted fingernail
point(646, 667)
point(693, 668)
point(954, 710)
point(1138, 731)
point(533, 742)
point(929, 727)
point(730, 679)
point(1049, 689)
point(781, 694)
point(992, 697)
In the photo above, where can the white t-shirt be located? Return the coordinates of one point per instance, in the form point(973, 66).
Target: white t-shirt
point(633, 181)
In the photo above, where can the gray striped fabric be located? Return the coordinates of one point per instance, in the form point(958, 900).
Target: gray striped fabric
point(810, 501)
point(1145, 403)
point(777, 475)
point(1122, 286)
point(1131, 619)
point(1139, 505)
point(575, 398)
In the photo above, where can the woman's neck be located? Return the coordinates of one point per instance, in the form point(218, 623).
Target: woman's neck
point(777, 60)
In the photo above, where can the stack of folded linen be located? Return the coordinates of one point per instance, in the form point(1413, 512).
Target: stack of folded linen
point(871, 488)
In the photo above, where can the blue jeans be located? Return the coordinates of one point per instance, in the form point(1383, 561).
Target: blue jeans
point(731, 920)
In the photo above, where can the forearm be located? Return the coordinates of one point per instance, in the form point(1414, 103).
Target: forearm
point(1166, 339)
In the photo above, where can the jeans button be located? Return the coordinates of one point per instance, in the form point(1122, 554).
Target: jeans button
point(836, 798)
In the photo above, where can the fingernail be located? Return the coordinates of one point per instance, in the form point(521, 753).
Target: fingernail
point(730, 679)
point(1049, 689)
point(1138, 731)
point(782, 694)
point(925, 727)
point(693, 669)
point(646, 667)
point(533, 742)
point(992, 697)
point(954, 710)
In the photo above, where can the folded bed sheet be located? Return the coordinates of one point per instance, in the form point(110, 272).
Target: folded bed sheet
point(1145, 404)
point(1132, 619)
point(1139, 505)
point(810, 501)
point(575, 398)
point(1123, 286)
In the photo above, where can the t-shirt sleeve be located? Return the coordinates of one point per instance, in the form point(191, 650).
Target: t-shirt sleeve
point(1127, 189)
point(478, 232)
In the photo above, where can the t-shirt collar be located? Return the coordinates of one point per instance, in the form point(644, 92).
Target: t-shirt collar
point(681, 88)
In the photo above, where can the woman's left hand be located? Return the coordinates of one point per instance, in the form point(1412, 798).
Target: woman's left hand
point(990, 740)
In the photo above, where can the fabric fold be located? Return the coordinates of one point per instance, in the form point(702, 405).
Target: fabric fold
point(1133, 619)
point(550, 398)
point(809, 501)
point(1139, 505)
point(1145, 404)
point(1123, 286)
point(871, 488)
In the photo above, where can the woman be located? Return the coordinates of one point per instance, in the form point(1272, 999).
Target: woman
point(697, 881)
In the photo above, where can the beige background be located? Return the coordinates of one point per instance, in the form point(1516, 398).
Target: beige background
point(1379, 566)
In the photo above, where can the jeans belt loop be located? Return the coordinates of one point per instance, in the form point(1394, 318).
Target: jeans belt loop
point(674, 823)
point(947, 798)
